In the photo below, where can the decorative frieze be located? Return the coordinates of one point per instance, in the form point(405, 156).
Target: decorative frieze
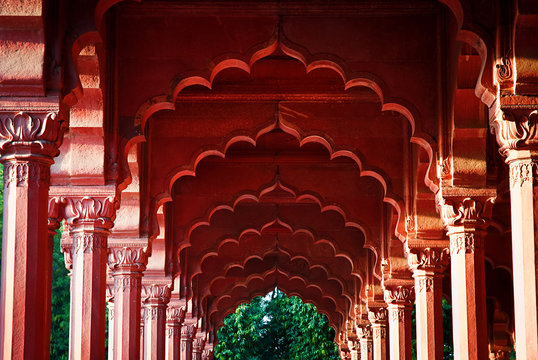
point(24, 173)
point(87, 242)
point(425, 284)
point(523, 172)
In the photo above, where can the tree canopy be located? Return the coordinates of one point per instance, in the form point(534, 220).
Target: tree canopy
point(276, 327)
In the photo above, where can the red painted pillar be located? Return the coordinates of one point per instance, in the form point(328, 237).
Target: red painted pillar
point(174, 319)
point(156, 297)
point(400, 301)
point(468, 292)
point(378, 321)
point(90, 220)
point(428, 264)
point(28, 142)
point(188, 332)
point(127, 262)
point(198, 346)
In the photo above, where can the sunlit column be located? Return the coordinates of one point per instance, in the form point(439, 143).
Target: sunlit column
point(365, 339)
point(400, 301)
point(378, 320)
point(428, 260)
point(156, 297)
point(188, 332)
point(175, 315)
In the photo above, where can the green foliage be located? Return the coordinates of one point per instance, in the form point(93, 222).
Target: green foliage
point(276, 327)
point(59, 334)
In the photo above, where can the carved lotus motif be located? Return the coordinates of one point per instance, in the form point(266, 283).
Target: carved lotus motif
point(90, 209)
point(25, 129)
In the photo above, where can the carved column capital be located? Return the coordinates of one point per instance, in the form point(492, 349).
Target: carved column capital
point(198, 345)
point(26, 134)
point(432, 257)
point(188, 331)
point(377, 315)
point(175, 314)
point(96, 210)
point(364, 332)
point(156, 293)
point(127, 258)
point(460, 210)
point(400, 294)
point(513, 120)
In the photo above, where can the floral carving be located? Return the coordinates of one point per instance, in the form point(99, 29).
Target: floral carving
point(24, 173)
point(127, 258)
point(522, 173)
point(156, 293)
point(41, 130)
point(154, 312)
point(467, 242)
point(364, 332)
point(198, 345)
point(399, 294)
point(88, 242)
point(504, 69)
point(425, 284)
point(377, 315)
point(435, 259)
point(468, 209)
point(175, 314)
point(207, 354)
point(188, 331)
point(514, 130)
point(90, 209)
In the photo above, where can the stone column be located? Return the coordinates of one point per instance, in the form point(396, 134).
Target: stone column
point(400, 299)
point(464, 219)
point(428, 260)
point(515, 121)
point(156, 297)
point(174, 319)
point(378, 319)
point(90, 220)
point(127, 263)
point(188, 332)
point(142, 320)
point(28, 142)
point(365, 340)
point(198, 346)
point(354, 349)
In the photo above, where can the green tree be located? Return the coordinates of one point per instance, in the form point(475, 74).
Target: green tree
point(276, 327)
point(59, 334)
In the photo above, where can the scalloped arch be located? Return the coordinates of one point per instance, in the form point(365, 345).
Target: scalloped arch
point(210, 253)
point(310, 197)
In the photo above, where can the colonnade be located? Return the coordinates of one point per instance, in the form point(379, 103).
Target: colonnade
point(29, 140)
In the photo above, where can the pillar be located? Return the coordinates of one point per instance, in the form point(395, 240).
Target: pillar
point(174, 319)
point(142, 319)
point(90, 219)
point(400, 302)
point(198, 346)
point(156, 298)
point(468, 289)
point(28, 142)
point(365, 340)
point(515, 122)
point(188, 332)
point(524, 209)
point(428, 262)
point(127, 262)
point(378, 321)
point(354, 348)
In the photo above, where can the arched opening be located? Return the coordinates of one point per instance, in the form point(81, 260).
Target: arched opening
point(276, 326)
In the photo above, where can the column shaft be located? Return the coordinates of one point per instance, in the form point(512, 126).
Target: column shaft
point(174, 320)
point(155, 321)
point(378, 321)
point(90, 220)
point(524, 209)
point(468, 294)
point(365, 339)
point(127, 264)
point(188, 331)
point(27, 143)
point(400, 331)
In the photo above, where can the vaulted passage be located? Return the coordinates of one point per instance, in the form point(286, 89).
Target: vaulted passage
point(362, 156)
